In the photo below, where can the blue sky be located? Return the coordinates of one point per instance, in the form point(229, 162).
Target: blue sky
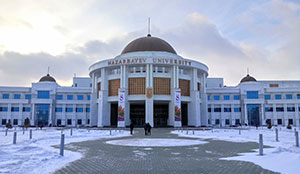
point(228, 36)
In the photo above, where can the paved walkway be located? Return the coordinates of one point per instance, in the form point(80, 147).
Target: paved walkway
point(105, 158)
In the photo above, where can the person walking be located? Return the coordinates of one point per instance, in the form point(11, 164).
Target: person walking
point(146, 128)
point(149, 128)
point(131, 127)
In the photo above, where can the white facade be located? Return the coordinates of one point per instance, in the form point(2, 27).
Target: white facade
point(143, 86)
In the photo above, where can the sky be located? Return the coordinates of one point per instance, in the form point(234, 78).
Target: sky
point(228, 36)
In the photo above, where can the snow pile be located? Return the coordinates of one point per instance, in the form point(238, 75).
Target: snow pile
point(284, 157)
point(37, 155)
point(155, 142)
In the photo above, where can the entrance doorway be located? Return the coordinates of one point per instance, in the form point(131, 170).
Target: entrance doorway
point(161, 115)
point(184, 114)
point(43, 114)
point(137, 114)
point(113, 114)
point(253, 114)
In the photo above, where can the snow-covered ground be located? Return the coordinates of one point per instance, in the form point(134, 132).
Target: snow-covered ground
point(37, 155)
point(284, 157)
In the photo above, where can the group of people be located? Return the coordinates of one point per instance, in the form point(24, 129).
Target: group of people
point(147, 128)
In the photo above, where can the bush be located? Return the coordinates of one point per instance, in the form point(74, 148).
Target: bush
point(269, 126)
point(289, 126)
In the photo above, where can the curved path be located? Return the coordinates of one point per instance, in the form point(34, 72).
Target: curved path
point(100, 157)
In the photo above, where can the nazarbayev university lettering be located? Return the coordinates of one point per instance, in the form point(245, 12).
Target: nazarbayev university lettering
point(152, 60)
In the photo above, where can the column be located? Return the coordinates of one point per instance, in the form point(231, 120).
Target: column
point(64, 116)
point(297, 115)
point(274, 115)
point(285, 115)
point(50, 119)
point(74, 116)
point(194, 106)
point(245, 114)
point(20, 117)
point(149, 98)
point(222, 116)
point(94, 116)
point(9, 117)
point(232, 118)
point(32, 115)
point(262, 118)
point(203, 105)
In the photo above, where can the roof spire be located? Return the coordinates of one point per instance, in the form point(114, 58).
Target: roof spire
point(149, 35)
point(247, 70)
point(48, 70)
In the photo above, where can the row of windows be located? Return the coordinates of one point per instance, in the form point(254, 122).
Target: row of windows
point(71, 97)
point(14, 109)
point(225, 109)
point(279, 96)
point(227, 121)
point(225, 97)
point(281, 109)
point(16, 96)
point(279, 121)
point(69, 121)
point(59, 109)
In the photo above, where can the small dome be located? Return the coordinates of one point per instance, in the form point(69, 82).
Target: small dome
point(248, 78)
point(47, 78)
point(148, 44)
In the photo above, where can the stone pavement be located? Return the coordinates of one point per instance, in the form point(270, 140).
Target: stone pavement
point(100, 157)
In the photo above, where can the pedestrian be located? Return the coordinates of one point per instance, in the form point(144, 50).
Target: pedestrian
point(149, 128)
point(146, 128)
point(131, 127)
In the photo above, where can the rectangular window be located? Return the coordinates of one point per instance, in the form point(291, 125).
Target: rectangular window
point(216, 97)
point(217, 121)
point(237, 109)
point(26, 109)
point(252, 94)
point(237, 121)
point(28, 96)
point(227, 121)
point(58, 109)
point(3, 109)
point(15, 121)
point(43, 95)
point(227, 109)
point(79, 109)
point(278, 97)
point(89, 97)
point(279, 109)
point(58, 122)
point(69, 109)
point(17, 96)
point(14, 109)
point(208, 97)
point(79, 121)
point(268, 121)
point(59, 97)
point(208, 121)
point(226, 97)
point(269, 109)
point(267, 97)
point(5, 96)
point(70, 97)
point(298, 96)
point(209, 109)
point(3, 121)
point(79, 97)
point(217, 109)
point(291, 121)
point(88, 110)
point(236, 97)
point(290, 109)
point(279, 121)
point(69, 121)
point(288, 96)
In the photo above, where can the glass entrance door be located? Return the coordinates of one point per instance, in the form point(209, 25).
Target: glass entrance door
point(253, 114)
point(43, 114)
point(137, 114)
point(161, 115)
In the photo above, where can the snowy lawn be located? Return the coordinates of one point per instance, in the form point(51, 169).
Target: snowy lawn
point(37, 155)
point(284, 157)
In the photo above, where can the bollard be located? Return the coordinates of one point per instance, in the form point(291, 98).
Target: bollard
point(276, 131)
point(30, 134)
point(6, 132)
point(239, 131)
point(212, 130)
point(62, 144)
point(15, 138)
point(193, 132)
point(71, 132)
point(261, 144)
point(187, 131)
point(109, 131)
point(297, 139)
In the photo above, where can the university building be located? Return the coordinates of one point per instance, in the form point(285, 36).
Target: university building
point(150, 83)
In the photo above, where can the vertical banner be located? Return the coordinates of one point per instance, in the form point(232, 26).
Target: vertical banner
point(121, 108)
point(177, 104)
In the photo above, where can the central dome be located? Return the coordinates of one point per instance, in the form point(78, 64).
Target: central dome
point(148, 44)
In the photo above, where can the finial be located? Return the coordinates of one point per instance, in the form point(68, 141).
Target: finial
point(149, 35)
point(247, 70)
point(48, 69)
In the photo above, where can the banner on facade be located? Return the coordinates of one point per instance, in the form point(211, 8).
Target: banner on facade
point(177, 104)
point(121, 105)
